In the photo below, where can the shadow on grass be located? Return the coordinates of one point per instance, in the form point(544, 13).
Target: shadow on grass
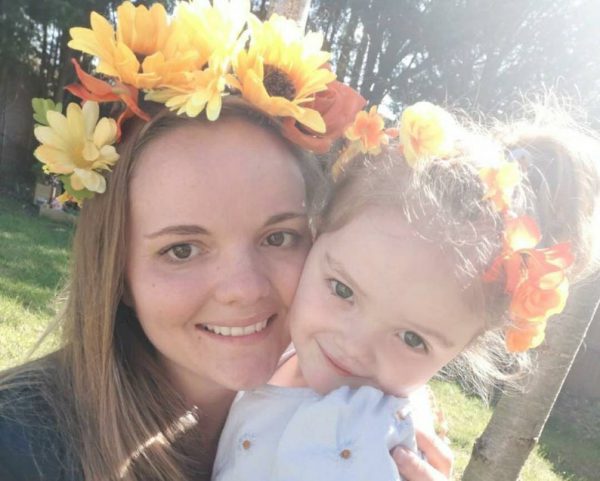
point(571, 438)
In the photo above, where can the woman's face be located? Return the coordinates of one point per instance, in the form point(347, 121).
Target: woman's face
point(217, 239)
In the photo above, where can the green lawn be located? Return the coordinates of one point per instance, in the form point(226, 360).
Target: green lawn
point(34, 261)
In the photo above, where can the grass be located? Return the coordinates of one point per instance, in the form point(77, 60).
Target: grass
point(34, 261)
point(468, 416)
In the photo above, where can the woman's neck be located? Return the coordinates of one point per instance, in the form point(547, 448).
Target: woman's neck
point(210, 400)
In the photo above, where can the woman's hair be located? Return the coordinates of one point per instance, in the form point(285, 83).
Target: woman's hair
point(113, 402)
point(443, 202)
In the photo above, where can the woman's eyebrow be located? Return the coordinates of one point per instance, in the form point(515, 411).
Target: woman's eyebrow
point(184, 229)
point(277, 218)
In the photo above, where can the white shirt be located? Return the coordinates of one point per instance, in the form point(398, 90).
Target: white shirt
point(294, 434)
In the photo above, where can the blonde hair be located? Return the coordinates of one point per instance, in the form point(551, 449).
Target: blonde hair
point(113, 403)
point(443, 203)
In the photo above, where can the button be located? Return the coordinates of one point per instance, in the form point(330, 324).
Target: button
point(345, 454)
point(246, 444)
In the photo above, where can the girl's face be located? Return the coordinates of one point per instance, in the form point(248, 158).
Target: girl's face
point(377, 306)
point(218, 236)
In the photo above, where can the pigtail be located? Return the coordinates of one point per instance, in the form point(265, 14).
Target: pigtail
point(561, 163)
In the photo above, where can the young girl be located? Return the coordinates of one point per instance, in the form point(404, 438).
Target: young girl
point(424, 252)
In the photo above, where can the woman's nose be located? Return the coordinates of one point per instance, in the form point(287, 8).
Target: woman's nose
point(241, 278)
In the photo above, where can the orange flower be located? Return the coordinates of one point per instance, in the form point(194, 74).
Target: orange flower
point(521, 337)
point(368, 129)
point(520, 235)
point(98, 90)
point(501, 183)
point(535, 278)
point(338, 105)
point(532, 304)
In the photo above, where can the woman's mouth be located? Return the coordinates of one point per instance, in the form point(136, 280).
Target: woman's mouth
point(237, 331)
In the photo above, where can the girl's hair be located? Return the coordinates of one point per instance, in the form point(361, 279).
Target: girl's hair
point(443, 201)
point(113, 403)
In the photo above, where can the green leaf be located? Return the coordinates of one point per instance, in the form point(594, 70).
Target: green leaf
point(80, 195)
point(41, 108)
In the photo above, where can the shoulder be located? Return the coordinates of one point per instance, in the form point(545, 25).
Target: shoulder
point(31, 446)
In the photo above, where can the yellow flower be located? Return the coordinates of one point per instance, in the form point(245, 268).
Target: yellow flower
point(283, 69)
point(500, 183)
point(78, 145)
point(197, 57)
point(203, 90)
point(140, 31)
point(143, 30)
point(207, 29)
point(368, 129)
point(426, 130)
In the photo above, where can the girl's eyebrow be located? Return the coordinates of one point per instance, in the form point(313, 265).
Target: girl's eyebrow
point(184, 229)
point(337, 266)
point(431, 333)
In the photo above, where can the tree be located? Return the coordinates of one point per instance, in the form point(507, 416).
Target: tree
point(518, 420)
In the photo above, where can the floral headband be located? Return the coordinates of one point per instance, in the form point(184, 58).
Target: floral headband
point(535, 279)
point(189, 61)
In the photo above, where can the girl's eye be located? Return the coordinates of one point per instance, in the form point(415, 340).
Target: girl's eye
point(340, 289)
point(413, 340)
point(181, 252)
point(281, 239)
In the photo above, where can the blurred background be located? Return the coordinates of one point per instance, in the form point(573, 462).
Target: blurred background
point(479, 55)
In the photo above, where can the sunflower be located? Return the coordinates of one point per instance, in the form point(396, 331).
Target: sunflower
point(283, 69)
point(78, 145)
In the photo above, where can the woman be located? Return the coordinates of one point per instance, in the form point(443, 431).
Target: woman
point(183, 270)
point(203, 227)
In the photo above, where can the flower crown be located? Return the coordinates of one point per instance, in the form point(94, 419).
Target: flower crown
point(189, 61)
point(534, 278)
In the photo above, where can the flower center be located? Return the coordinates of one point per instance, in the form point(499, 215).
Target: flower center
point(278, 84)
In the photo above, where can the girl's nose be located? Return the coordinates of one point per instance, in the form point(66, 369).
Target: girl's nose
point(241, 279)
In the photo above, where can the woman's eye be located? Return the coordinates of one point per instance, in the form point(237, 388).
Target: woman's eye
point(340, 289)
point(413, 340)
point(181, 252)
point(281, 239)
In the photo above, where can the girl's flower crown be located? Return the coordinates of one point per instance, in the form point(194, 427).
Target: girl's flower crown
point(189, 62)
point(534, 278)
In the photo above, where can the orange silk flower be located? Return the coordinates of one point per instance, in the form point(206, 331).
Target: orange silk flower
point(501, 183)
point(337, 105)
point(368, 129)
point(98, 90)
point(535, 278)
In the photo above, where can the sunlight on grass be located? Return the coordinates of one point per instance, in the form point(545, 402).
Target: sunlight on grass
point(467, 417)
point(34, 261)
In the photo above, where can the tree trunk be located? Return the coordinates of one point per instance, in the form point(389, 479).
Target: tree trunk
point(518, 420)
point(295, 9)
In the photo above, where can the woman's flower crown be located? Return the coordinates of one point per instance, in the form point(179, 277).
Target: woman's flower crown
point(534, 278)
point(189, 61)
